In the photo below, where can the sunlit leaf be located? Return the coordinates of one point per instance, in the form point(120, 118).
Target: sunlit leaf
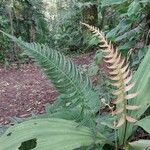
point(140, 145)
point(144, 123)
point(48, 134)
point(133, 8)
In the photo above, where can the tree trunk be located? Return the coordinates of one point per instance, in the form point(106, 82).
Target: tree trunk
point(89, 16)
point(13, 56)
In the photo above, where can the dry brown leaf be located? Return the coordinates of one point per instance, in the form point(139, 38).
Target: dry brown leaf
point(123, 69)
point(109, 56)
point(130, 107)
point(129, 87)
point(111, 60)
point(130, 119)
point(119, 100)
point(117, 92)
point(115, 78)
point(114, 72)
point(121, 121)
point(122, 62)
point(117, 84)
point(128, 79)
point(104, 46)
point(126, 74)
point(117, 111)
point(130, 96)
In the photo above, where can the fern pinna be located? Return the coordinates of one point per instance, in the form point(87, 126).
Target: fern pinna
point(120, 74)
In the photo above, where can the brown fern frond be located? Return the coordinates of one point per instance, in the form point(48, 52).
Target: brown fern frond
point(120, 74)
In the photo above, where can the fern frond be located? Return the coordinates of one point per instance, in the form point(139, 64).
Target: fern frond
point(121, 76)
point(74, 87)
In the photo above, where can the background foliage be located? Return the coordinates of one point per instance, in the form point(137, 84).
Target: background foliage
point(126, 22)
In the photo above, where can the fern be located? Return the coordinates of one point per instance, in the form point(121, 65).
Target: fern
point(121, 76)
point(74, 87)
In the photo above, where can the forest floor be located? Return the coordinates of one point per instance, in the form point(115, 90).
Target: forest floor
point(26, 90)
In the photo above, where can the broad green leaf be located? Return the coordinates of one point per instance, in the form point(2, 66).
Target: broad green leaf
point(142, 87)
point(48, 134)
point(144, 123)
point(133, 8)
point(130, 34)
point(111, 2)
point(126, 47)
point(119, 29)
point(140, 145)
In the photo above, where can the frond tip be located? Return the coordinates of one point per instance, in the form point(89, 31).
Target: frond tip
point(121, 76)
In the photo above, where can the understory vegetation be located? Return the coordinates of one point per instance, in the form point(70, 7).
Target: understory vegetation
point(105, 115)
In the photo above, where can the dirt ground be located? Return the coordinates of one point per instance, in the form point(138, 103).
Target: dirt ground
point(26, 90)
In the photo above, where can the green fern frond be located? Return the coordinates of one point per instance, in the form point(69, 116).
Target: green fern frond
point(63, 73)
point(121, 76)
point(74, 87)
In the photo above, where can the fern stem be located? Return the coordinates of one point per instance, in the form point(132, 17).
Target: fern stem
point(124, 137)
point(125, 128)
point(116, 143)
point(125, 110)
